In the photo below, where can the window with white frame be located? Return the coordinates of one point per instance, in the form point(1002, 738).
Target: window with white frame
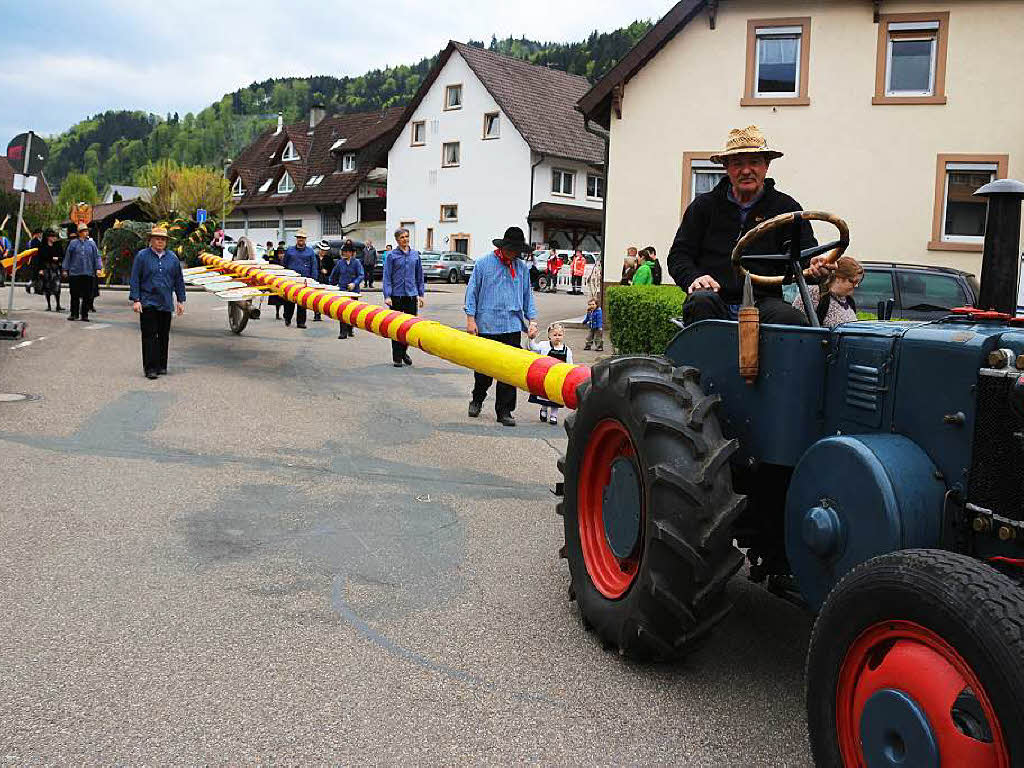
point(910, 58)
point(266, 184)
point(492, 125)
point(777, 61)
point(563, 182)
point(450, 154)
point(963, 214)
point(449, 212)
point(285, 185)
point(237, 190)
point(453, 97)
point(595, 186)
point(289, 152)
point(419, 133)
point(348, 161)
point(704, 176)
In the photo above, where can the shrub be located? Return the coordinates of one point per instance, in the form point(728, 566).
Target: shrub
point(640, 315)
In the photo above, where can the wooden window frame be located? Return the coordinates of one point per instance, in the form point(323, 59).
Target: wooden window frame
point(447, 144)
point(429, 242)
point(750, 99)
point(687, 187)
point(412, 133)
point(461, 236)
point(441, 217)
point(881, 56)
point(1002, 163)
point(447, 88)
point(572, 173)
point(492, 114)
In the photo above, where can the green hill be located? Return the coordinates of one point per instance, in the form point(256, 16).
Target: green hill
point(111, 147)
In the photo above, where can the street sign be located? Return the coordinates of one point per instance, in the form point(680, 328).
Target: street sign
point(25, 183)
point(16, 154)
point(200, 215)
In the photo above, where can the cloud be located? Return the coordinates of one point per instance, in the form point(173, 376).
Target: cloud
point(143, 54)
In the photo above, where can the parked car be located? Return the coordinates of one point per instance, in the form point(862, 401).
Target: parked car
point(447, 265)
point(918, 292)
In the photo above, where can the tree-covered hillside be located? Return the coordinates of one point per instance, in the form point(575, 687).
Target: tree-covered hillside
point(111, 148)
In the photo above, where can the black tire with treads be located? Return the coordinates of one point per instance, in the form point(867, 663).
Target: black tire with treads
point(687, 554)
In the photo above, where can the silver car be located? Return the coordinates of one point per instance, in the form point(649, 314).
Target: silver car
point(448, 266)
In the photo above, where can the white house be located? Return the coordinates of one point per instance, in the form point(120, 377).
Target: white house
point(326, 176)
point(490, 142)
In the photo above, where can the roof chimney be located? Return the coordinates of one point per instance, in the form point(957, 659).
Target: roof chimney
point(317, 112)
point(280, 123)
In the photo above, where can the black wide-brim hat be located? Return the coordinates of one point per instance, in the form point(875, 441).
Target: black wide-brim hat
point(514, 240)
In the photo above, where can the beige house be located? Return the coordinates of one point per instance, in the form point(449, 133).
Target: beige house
point(890, 114)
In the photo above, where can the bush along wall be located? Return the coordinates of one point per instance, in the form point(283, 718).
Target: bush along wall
point(640, 317)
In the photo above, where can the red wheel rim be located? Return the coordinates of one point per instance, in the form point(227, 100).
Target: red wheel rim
point(612, 576)
point(908, 657)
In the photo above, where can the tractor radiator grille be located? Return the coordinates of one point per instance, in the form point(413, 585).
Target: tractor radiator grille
point(996, 481)
point(863, 385)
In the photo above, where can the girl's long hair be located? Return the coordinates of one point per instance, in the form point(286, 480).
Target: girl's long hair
point(847, 267)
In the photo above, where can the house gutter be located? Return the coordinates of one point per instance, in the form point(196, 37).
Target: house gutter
point(533, 174)
point(605, 137)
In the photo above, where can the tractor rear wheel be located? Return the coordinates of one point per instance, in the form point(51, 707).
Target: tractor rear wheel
point(648, 507)
point(915, 659)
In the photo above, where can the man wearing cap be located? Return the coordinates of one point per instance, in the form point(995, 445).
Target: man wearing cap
point(82, 264)
point(499, 306)
point(700, 258)
point(157, 288)
point(347, 275)
point(403, 287)
point(301, 258)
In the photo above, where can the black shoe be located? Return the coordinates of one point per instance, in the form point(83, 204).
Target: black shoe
point(407, 360)
point(150, 374)
point(397, 364)
point(161, 372)
point(342, 336)
point(507, 420)
point(303, 326)
point(287, 323)
point(84, 319)
point(48, 309)
point(72, 317)
point(316, 318)
point(474, 408)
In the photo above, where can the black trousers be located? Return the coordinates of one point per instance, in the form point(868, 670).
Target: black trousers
point(504, 394)
point(290, 308)
point(708, 305)
point(409, 305)
point(368, 270)
point(156, 333)
point(81, 295)
point(344, 329)
point(577, 283)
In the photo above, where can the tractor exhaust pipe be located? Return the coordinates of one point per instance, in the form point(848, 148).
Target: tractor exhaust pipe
point(1000, 262)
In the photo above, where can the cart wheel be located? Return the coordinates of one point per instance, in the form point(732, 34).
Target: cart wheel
point(238, 315)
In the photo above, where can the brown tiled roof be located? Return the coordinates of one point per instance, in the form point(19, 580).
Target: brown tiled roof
point(539, 102)
point(261, 160)
point(123, 209)
point(597, 102)
point(41, 195)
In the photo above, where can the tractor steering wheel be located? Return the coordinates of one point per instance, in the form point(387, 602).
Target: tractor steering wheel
point(796, 257)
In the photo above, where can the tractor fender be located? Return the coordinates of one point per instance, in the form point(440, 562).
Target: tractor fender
point(854, 497)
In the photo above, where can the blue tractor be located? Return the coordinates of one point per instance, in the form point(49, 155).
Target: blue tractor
point(873, 472)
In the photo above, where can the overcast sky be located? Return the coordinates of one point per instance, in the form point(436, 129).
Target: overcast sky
point(59, 66)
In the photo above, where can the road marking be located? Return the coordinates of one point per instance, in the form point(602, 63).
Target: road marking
point(96, 327)
point(23, 344)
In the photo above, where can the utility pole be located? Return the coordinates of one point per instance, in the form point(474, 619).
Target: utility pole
point(21, 218)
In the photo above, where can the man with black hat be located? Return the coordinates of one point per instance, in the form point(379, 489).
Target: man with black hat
point(326, 263)
point(499, 306)
point(347, 274)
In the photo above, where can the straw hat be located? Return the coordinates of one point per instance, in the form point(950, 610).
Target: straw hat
point(158, 231)
point(745, 141)
point(301, 233)
point(82, 226)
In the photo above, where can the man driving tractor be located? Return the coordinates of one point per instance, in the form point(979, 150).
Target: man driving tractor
point(699, 260)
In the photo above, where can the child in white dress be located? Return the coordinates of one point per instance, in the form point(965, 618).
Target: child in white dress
point(554, 347)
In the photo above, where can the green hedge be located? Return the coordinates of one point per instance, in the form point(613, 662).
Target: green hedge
point(639, 316)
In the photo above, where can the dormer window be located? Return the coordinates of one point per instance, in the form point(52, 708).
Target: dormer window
point(453, 97)
point(285, 185)
point(266, 185)
point(289, 153)
point(348, 161)
point(237, 190)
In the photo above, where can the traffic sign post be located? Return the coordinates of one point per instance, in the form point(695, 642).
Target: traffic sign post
point(26, 154)
point(201, 216)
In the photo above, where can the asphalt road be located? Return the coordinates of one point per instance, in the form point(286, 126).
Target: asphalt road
point(288, 550)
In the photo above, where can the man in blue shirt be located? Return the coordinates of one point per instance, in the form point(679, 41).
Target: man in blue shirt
point(499, 306)
point(156, 282)
point(403, 287)
point(82, 264)
point(302, 259)
point(347, 275)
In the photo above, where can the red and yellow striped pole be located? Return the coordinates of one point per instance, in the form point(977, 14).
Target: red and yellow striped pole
point(540, 375)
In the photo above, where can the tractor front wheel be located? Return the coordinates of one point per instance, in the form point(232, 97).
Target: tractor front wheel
point(915, 660)
point(238, 316)
point(648, 507)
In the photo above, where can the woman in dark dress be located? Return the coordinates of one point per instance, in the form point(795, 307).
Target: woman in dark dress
point(50, 256)
point(276, 257)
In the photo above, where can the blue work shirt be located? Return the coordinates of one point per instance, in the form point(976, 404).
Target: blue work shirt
point(403, 273)
point(346, 272)
point(82, 258)
point(156, 280)
point(499, 302)
point(594, 319)
point(303, 261)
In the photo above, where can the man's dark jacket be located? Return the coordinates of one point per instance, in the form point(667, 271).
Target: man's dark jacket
point(711, 227)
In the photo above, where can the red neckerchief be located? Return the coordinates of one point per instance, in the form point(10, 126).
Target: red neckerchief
point(510, 263)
